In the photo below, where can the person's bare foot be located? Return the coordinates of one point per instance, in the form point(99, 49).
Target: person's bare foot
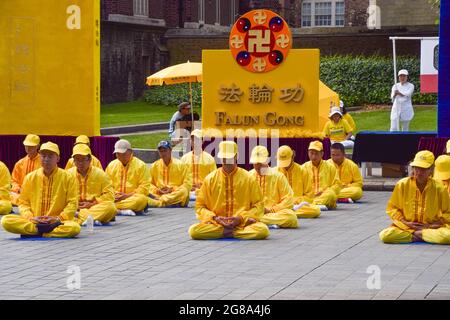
point(417, 236)
point(250, 221)
point(228, 233)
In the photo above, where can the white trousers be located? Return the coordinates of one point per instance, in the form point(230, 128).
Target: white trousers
point(396, 124)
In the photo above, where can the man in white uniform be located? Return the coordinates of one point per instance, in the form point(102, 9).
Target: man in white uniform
point(402, 110)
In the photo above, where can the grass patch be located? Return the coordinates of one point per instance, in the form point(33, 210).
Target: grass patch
point(146, 141)
point(425, 119)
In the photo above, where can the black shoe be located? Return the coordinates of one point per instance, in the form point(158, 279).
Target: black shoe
point(47, 228)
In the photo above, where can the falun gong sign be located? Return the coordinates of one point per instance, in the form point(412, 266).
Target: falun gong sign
point(263, 83)
point(50, 67)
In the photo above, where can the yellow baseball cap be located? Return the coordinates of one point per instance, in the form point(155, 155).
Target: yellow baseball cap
point(227, 150)
point(423, 159)
point(50, 146)
point(442, 168)
point(316, 145)
point(31, 140)
point(81, 149)
point(284, 156)
point(82, 139)
point(260, 154)
point(197, 133)
point(448, 146)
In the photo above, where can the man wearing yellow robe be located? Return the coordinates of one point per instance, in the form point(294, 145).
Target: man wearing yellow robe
point(419, 206)
point(348, 173)
point(299, 182)
point(170, 179)
point(5, 186)
point(278, 196)
point(95, 190)
point(84, 140)
point(48, 200)
point(323, 176)
point(25, 165)
point(199, 162)
point(130, 178)
point(442, 171)
point(229, 203)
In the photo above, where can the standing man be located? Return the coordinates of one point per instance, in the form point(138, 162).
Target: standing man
point(130, 178)
point(229, 203)
point(25, 165)
point(170, 180)
point(402, 110)
point(95, 190)
point(84, 140)
point(419, 206)
point(48, 200)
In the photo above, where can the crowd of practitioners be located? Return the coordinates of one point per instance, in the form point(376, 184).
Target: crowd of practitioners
point(41, 199)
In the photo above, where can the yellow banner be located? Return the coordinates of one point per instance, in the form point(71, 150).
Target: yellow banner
point(50, 67)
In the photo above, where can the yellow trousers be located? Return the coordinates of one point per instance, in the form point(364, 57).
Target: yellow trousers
point(20, 225)
point(255, 231)
point(327, 198)
point(396, 235)
point(137, 202)
point(308, 211)
point(355, 193)
point(5, 207)
point(102, 212)
point(285, 218)
point(180, 196)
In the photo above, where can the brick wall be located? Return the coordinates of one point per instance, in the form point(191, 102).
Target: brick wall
point(413, 12)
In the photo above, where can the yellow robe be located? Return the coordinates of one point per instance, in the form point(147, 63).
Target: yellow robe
point(200, 166)
point(22, 167)
point(351, 179)
point(278, 198)
point(301, 185)
point(324, 179)
point(5, 186)
point(177, 176)
point(134, 177)
point(407, 202)
point(229, 195)
point(347, 117)
point(97, 186)
point(55, 195)
point(94, 162)
point(337, 131)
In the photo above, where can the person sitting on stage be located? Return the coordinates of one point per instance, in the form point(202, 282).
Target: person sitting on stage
point(299, 182)
point(84, 140)
point(442, 171)
point(95, 190)
point(348, 173)
point(419, 206)
point(199, 162)
point(130, 178)
point(25, 165)
point(5, 186)
point(347, 117)
point(278, 196)
point(48, 200)
point(324, 178)
point(170, 179)
point(337, 129)
point(229, 203)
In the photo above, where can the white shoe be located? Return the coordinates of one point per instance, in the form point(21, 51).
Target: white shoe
point(298, 206)
point(322, 207)
point(15, 210)
point(192, 196)
point(127, 212)
point(97, 223)
point(273, 226)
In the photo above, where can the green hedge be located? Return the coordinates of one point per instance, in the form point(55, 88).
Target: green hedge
point(359, 80)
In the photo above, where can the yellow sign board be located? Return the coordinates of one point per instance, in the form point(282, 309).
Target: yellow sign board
point(50, 67)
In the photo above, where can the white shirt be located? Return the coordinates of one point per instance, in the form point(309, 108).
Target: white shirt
point(402, 108)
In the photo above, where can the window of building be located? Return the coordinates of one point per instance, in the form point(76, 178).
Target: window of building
point(201, 11)
point(321, 13)
point(140, 8)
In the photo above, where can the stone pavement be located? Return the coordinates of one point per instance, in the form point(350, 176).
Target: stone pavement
point(152, 257)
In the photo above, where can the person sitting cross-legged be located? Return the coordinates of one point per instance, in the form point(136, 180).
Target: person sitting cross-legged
point(130, 178)
point(5, 185)
point(48, 200)
point(229, 203)
point(95, 190)
point(442, 171)
point(277, 194)
point(419, 206)
point(94, 161)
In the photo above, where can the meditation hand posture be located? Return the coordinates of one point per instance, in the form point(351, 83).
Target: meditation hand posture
point(171, 180)
point(442, 171)
point(337, 129)
point(348, 173)
point(299, 182)
point(5, 185)
point(130, 178)
point(95, 190)
point(325, 181)
point(278, 196)
point(199, 162)
point(402, 110)
point(419, 206)
point(48, 200)
point(84, 140)
point(229, 203)
point(25, 165)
